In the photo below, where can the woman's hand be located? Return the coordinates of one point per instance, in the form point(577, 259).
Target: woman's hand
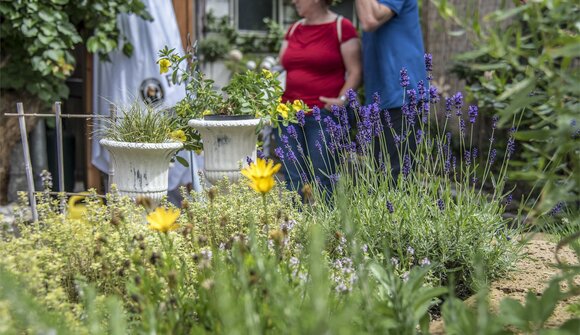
point(328, 102)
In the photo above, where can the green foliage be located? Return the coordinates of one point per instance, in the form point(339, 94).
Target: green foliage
point(269, 42)
point(140, 122)
point(38, 39)
point(213, 48)
point(525, 58)
point(255, 94)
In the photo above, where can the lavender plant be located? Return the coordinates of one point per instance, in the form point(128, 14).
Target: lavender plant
point(444, 207)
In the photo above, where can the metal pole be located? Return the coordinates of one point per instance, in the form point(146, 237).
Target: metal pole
point(60, 154)
point(59, 150)
point(27, 163)
point(113, 116)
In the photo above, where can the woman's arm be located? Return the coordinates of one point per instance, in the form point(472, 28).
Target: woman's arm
point(351, 56)
point(372, 14)
point(282, 50)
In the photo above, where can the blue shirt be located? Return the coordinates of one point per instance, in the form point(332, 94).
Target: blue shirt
point(396, 44)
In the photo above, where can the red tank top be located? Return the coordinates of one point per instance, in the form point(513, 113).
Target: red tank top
point(313, 61)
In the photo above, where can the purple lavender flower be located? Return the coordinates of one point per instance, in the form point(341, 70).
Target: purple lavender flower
point(511, 144)
point(458, 103)
point(419, 136)
point(467, 157)
point(404, 78)
point(462, 126)
point(290, 153)
point(303, 177)
point(508, 199)
point(284, 139)
point(406, 165)
point(388, 119)
point(472, 112)
point(494, 120)
point(390, 207)
point(557, 209)
point(421, 89)
point(317, 180)
point(394, 261)
point(316, 113)
point(433, 94)
point(474, 153)
point(301, 118)
point(319, 147)
point(249, 160)
point(441, 204)
point(428, 62)
point(260, 154)
point(334, 178)
point(492, 155)
point(573, 123)
point(410, 250)
point(292, 132)
point(425, 262)
point(412, 96)
point(448, 104)
point(279, 152)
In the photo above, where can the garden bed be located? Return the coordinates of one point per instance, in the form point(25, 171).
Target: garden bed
point(532, 274)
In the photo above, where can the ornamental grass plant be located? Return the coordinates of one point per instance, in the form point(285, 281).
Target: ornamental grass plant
point(141, 122)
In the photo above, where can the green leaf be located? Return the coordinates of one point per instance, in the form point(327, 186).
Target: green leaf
point(182, 161)
point(525, 85)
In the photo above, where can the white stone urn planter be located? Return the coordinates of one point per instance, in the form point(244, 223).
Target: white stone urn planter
point(226, 145)
point(141, 169)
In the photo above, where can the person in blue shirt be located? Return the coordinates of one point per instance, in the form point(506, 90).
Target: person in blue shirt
point(393, 61)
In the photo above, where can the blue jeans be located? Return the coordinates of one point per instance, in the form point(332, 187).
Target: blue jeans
point(314, 164)
point(394, 149)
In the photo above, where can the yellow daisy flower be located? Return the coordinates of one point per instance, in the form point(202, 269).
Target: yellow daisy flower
point(164, 65)
point(261, 175)
point(163, 220)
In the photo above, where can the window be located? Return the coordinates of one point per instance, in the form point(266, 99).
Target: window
point(249, 14)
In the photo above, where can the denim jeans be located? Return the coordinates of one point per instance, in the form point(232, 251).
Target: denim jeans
point(395, 149)
point(314, 164)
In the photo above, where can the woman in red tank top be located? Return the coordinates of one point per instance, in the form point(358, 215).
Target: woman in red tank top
point(322, 57)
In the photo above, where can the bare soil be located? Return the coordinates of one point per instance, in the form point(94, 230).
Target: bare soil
point(532, 274)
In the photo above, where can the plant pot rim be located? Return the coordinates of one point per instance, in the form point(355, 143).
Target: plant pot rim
point(222, 123)
point(138, 145)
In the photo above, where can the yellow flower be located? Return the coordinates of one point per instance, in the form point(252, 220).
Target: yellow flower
point(206, 112)
point(267, 74)
point(164, 65)
point(178, 135)
point(163, 220)
point(283, 110)
point(261, 175)
point(297, 105)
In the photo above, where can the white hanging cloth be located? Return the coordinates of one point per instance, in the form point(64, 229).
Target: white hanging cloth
point(124, 79)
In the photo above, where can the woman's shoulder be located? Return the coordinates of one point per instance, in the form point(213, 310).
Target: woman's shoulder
point(348, 27)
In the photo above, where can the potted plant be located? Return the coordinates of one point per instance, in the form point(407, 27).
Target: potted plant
point(142, 143)
point(226, 124)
